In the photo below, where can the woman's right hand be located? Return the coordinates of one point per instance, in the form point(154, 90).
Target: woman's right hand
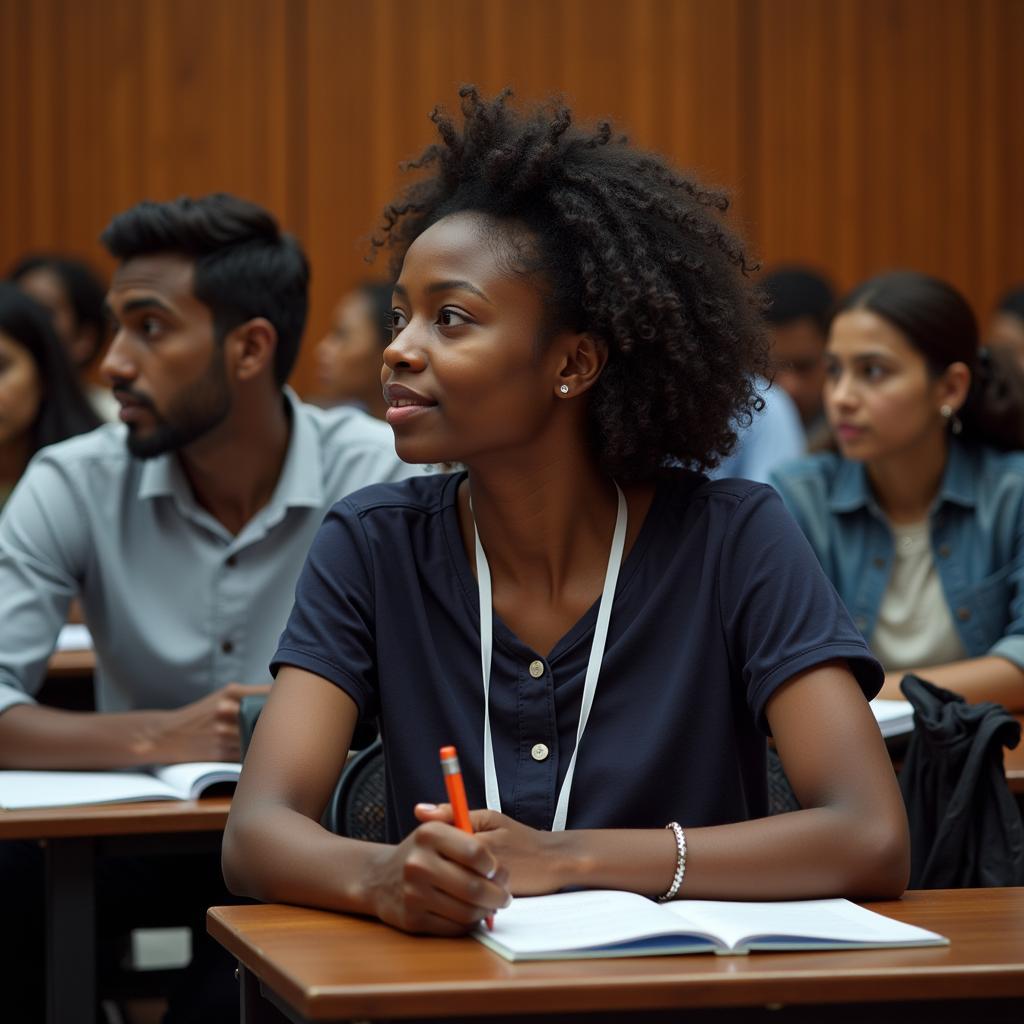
point(439, 881)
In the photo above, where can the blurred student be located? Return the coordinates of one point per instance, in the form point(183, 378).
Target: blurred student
point(771, 437)
point(917, 518)
point(800, 303)
point(349, 357)
point(40, 401)
point(182, 530)
point(73, 294)
point(549, 339)
point(1006, 330)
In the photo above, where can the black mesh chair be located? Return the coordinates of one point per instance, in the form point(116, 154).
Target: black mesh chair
point(356, 807)
point(781, 797)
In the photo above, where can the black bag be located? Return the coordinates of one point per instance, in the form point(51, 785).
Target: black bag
point(965, 826)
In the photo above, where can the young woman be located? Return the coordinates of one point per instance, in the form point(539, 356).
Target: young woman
point(348, 357)
point(74, 295)
point(918, 519)
point(606, 640)
point(40, 402)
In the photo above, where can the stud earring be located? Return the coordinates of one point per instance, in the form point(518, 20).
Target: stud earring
point(564, 388)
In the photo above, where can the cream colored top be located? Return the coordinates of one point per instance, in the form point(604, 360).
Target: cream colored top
point(914, 628)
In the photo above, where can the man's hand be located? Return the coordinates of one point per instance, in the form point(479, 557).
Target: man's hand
point(205, 730)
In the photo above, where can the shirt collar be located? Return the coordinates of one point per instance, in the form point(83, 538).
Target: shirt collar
point(851, 491)
point(300, 483)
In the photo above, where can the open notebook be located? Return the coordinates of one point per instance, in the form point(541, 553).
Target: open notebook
point(894, 717)
point(607, 923)
point(19, 790)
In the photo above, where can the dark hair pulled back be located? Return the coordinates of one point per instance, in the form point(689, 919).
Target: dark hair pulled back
point(245, 266)
point(937, 320)
point(625, 248)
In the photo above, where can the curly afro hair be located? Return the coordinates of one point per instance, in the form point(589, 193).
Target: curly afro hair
point(628, 250)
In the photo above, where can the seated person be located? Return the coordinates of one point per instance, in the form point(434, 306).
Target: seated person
point(349, 356)
point(799, 304)
point(649, 626)
point(1006, 331)
point(917, 517)
point(73, 294)
point(183, 529)
point(773, 436)
point(40, 401)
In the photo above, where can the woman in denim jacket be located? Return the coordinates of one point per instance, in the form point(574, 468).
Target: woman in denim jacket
point(918, 517)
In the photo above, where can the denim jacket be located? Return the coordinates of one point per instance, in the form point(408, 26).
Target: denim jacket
point(977, 539)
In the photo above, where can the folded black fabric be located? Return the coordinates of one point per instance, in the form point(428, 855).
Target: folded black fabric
point(965, 826)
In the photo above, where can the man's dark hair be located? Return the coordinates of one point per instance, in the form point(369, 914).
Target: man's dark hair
point(626, 249)
point(84, 290)
point(245, 266)
point(1013, 303)
point(798, 293)
point(63, 408)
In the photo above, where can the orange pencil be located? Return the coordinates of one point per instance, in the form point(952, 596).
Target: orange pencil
point(457, 797)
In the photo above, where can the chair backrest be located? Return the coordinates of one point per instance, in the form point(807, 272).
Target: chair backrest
point(781, 797)
point(356, 808)
point(249, 709)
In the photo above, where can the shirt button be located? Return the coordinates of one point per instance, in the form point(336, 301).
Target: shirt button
point(537, 670)
point(963, 614)
point(227, 646)
point(878, 563)
point(945, 551)
point(539, 752)
point(231, 561)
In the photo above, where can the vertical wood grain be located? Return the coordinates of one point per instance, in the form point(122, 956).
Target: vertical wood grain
point(853, 134)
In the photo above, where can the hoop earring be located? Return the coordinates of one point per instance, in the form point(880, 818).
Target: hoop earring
point(564, 388)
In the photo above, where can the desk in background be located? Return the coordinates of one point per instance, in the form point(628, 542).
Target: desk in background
point(72, 837)
point(308, 965)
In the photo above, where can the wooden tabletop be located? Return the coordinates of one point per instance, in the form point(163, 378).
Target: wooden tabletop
point(206, 815)
point(330, 966)
point(71, 664)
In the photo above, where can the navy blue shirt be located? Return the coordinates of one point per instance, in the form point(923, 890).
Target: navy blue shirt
point(719, 602)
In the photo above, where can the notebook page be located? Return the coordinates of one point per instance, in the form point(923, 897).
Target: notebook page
point(579, 920)
point(835, 920)
point(190, 779)
point(61, 789)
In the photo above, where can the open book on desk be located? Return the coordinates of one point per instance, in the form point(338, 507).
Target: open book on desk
point(607, 923)
point(894, 717)
point(21, 790)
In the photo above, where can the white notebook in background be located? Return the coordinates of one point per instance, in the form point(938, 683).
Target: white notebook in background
point(74, 636)
point(608, 923)
point(894, 717)
point(22, 790)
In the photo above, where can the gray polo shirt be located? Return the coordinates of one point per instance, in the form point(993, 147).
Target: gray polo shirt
point(177, 605)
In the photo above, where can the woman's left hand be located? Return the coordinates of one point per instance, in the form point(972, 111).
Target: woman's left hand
point(531, 857)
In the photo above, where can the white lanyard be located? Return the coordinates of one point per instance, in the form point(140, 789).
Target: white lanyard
point(604, 612)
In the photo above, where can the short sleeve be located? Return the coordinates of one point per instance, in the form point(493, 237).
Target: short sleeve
point(780, 613)
point(331, 630)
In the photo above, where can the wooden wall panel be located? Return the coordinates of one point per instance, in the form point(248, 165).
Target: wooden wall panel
point(854, 134)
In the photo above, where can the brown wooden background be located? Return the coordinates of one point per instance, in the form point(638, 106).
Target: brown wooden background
point(854, 134)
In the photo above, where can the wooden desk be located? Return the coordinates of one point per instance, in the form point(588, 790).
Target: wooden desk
point(317, 966)
point(71, 664)
point(71, 836)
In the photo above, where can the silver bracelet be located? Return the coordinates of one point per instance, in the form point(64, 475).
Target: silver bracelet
point(677, 878)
